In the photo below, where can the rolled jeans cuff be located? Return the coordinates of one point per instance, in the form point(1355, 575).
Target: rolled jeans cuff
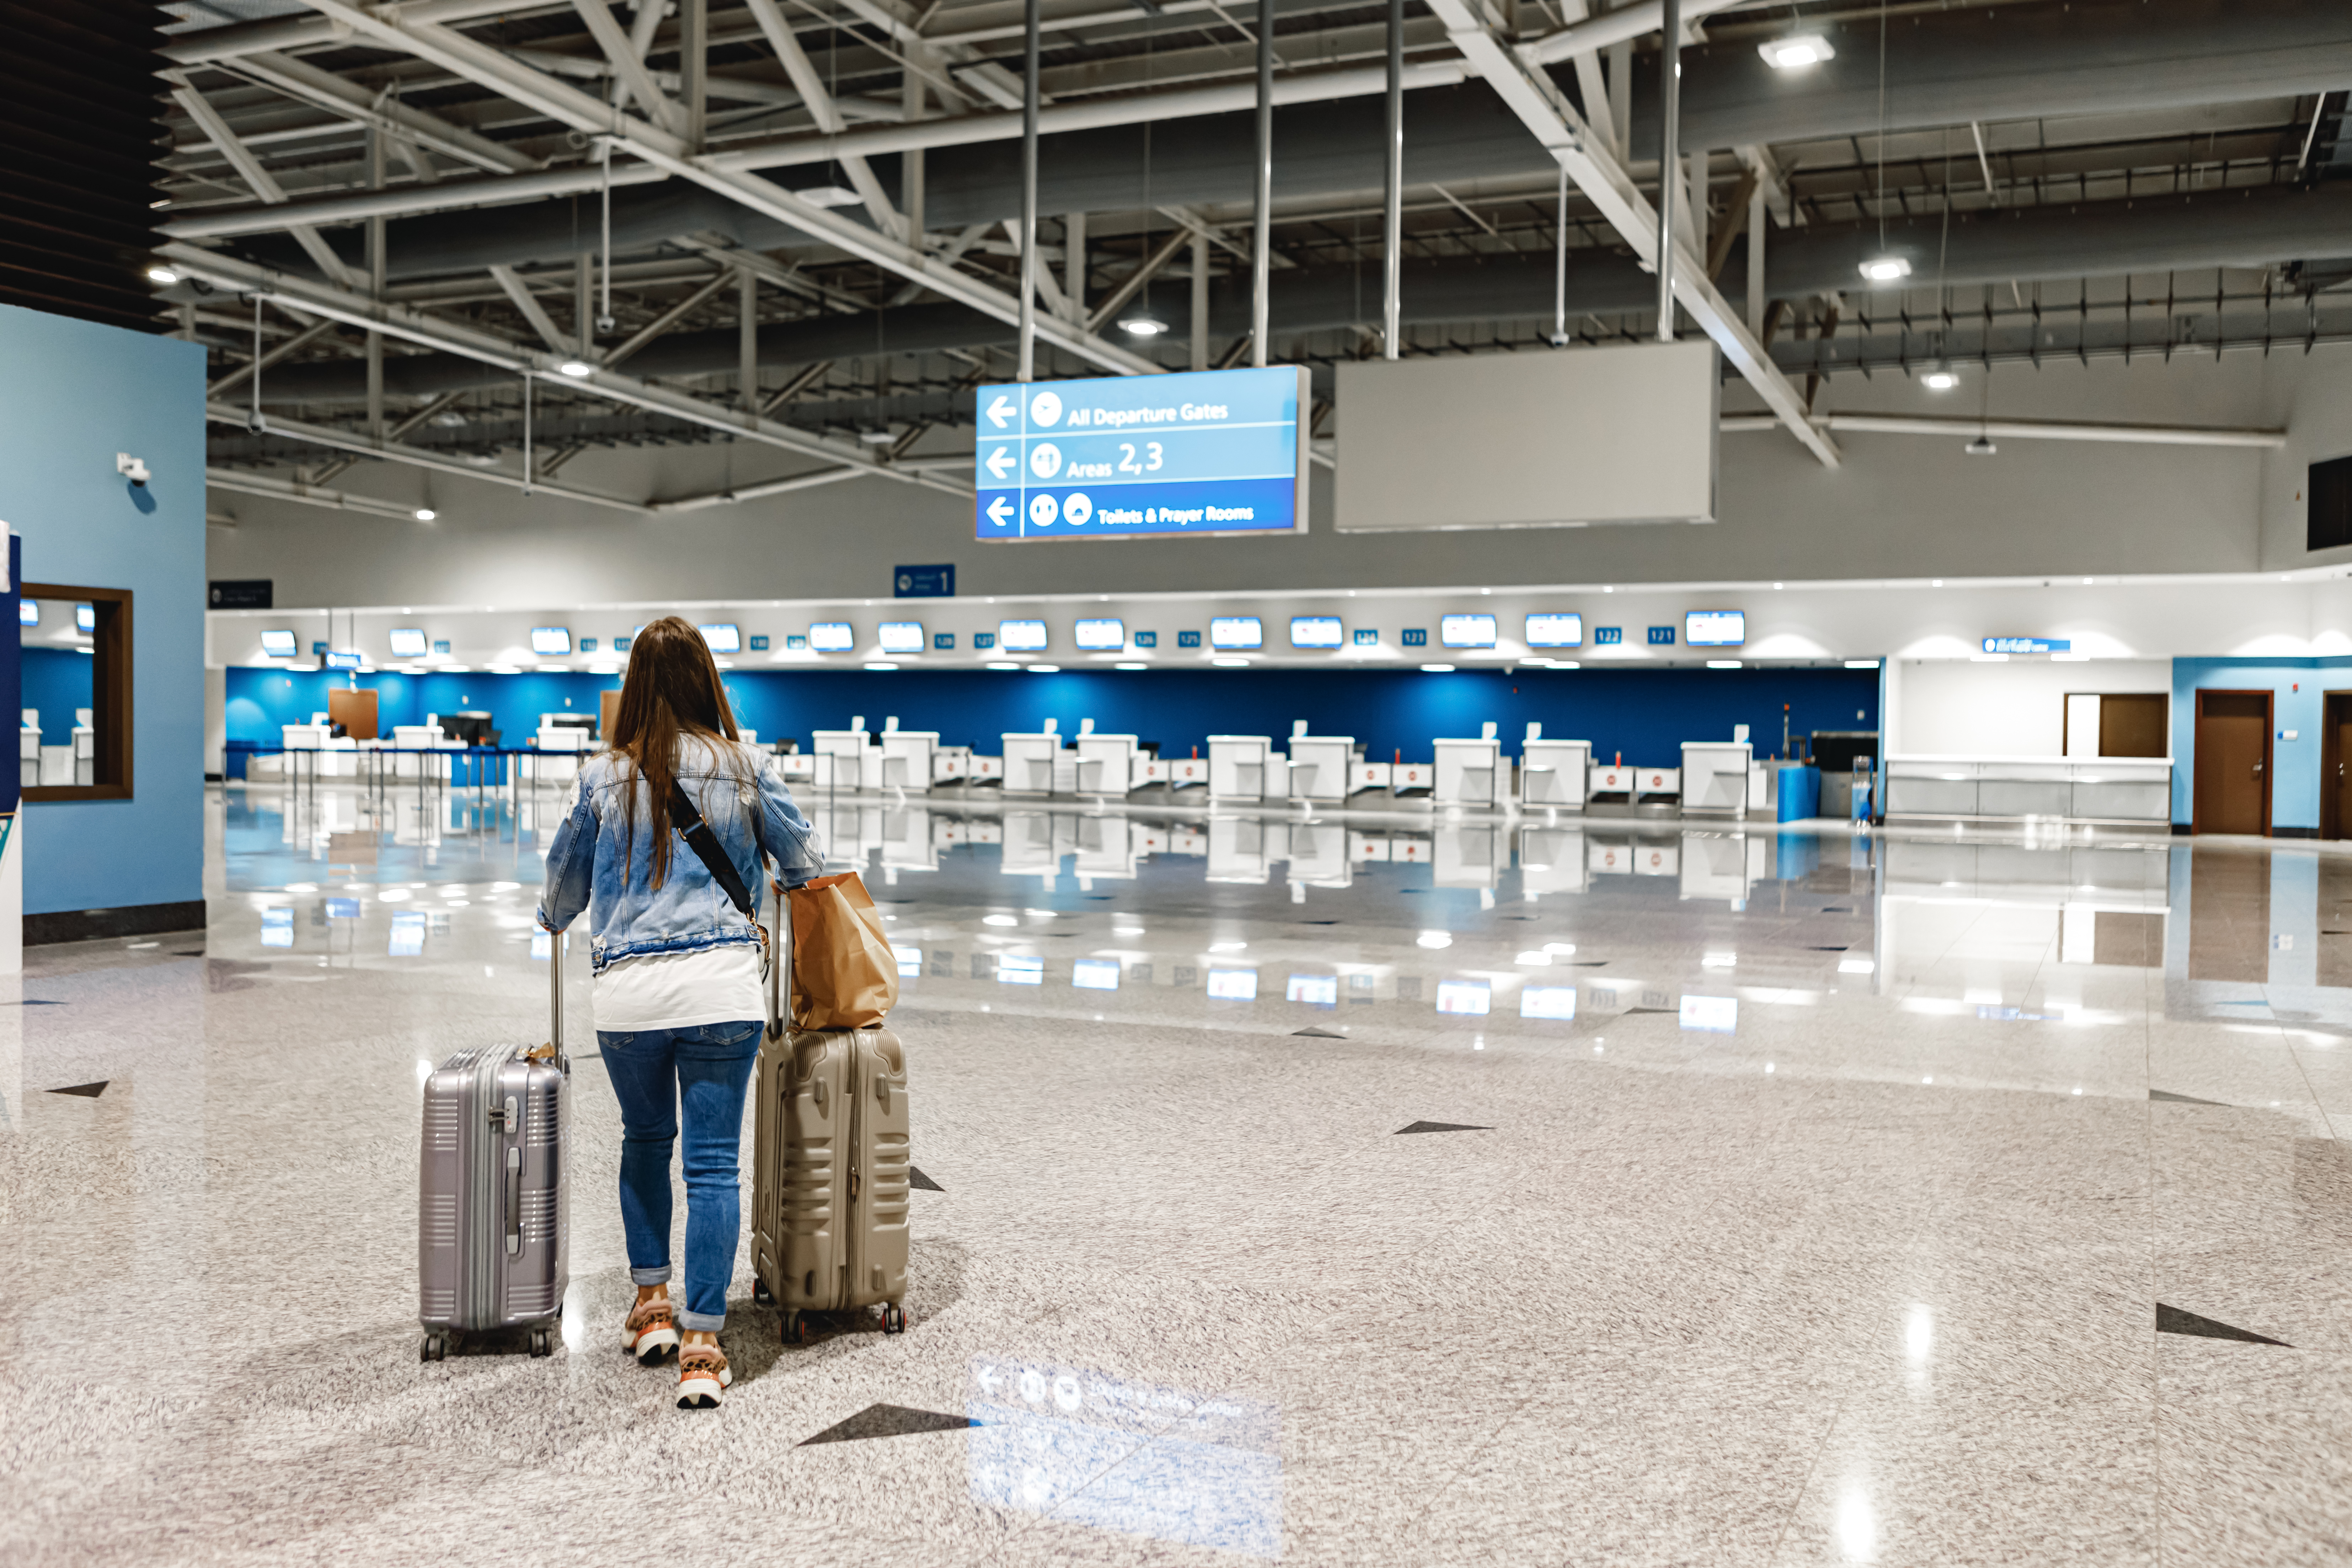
point(702, 1322)
point(650, 1276)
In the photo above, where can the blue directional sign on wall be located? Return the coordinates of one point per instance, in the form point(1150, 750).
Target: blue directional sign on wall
point(1221, 451)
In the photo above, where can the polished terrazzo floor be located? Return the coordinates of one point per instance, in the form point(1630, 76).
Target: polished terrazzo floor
point(1929, 1197)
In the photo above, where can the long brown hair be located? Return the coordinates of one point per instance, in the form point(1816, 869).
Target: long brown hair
point(672, 690)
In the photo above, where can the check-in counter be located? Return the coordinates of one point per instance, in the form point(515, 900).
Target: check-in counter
point(1412, 780)
point(1364, 776)
point(1175, 773)
point(796, 767)
point(1468, 772)
point(1318, 767)
point(840, 759)
point(1623, 785)
point(1244, 767)
point(1551, 860)
point(1106, 764)
point(906, 759)
point(1715, 777)
point(983, 770)
point(2137, 790)
point(1030, 762)
point(1552, 773)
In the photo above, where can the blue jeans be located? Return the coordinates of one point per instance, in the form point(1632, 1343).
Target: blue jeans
point(709, 1067)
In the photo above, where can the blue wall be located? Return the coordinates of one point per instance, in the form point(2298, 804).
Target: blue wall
point(2298, 688)
point(57, 682)
point(72, 395)
point(1644, 713)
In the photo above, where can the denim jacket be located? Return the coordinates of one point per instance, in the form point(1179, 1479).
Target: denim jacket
point(690, 911)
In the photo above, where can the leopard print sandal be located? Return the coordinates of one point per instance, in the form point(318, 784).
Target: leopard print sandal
point(702, 1376)
point(651, 1330)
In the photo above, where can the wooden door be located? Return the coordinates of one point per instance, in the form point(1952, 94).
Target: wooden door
point(2234, 757)
point(2133, 725)
point(2335, 762)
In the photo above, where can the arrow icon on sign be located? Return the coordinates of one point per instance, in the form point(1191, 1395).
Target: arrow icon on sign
point(1001, 462)
point(1000, 511)
point(1000, 410)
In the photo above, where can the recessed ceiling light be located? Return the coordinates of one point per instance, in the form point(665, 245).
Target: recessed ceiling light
point(426, 514)
point(1939, 381)
point(1887, 268)
point(1042, 668)
point(163, 275)
point(1437, 668)
point(1130, 664)
point(1229, 663)
point(1797, 53)
point(880, 664)
point(1003, 664)
point(1723, 664)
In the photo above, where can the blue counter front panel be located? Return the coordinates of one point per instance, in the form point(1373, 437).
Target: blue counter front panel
point(1209, 452)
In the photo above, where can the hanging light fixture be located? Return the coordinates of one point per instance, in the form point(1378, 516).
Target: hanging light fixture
point(1797, 53)
point(1887, 268)
point(1142, 324)
point(1940, 378)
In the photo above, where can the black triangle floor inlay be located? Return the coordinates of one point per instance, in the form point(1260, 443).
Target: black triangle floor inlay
point(2173, 1321)
point(1320, 1034)
point(921, 1183)
point(87, 1090)
point(1442, 1127)
point(2167, 1094)
point(888, 1421)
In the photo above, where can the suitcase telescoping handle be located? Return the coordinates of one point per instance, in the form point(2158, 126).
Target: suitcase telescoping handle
point(780, 954)
point(555, 989)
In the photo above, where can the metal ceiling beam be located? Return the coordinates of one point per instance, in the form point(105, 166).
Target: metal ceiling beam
point(414, 326)
point(250, 170)
point(752, 493)
point(1529, 92)
point(413, 456)
point(301, 79)
point(2027, 429)
point(476, 62)
point(533, 311)
point(829, 120)
point(275, 488)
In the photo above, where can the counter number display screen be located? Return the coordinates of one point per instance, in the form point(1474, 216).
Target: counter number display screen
point(1555, 631)
point(547, 640)
point(1021, 636)
point(1714, 628)
point(343, 659)
point(85, 618)
point(29, 612)
point(832, 637)
point(408, 642)
point(277, 645)
point(1315, 631)
point(1236, 632)
point(722, 636)
point(1466, 631)
point(1103, 635)
point(901, 637)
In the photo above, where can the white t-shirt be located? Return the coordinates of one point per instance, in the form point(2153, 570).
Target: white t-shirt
point(681, 990)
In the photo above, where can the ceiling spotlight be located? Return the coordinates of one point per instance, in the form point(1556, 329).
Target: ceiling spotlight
point(876, 437)
point(1982, 447)
point(1437, 669)
point(162, 274)
point(426, 514)
point(1939, 381)
point(1885, 268)
point(1143, 324)
point(1797, 53)
point(576, 368)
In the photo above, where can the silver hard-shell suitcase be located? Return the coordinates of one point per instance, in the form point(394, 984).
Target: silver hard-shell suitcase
point(830, 1175)
point(492, 1248)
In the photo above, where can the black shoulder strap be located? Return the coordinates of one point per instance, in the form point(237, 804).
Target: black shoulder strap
point(704, 844)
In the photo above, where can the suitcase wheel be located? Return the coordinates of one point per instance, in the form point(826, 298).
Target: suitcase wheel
point(796, 1328)
point(894, 1319)
point(761, 1294)
point(542, 1342)
point(434, 1348)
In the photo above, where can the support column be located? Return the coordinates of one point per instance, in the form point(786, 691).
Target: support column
point(583, 303)
point(1393, 205)
point(910, 163)
point(693, 46)
point(1074, 265)
point(375, 264)
point(747, 342)
point(1200, 301)
point(1670, 95)
point(1756, 215)
point(1029, 192)
point(1261, 246)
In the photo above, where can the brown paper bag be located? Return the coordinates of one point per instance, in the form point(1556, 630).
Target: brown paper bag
point(844, 976)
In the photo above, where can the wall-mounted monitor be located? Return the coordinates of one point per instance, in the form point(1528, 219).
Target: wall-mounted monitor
point(901, 637)
point(1714, 628)
point(1236, 632)
point(408, 642)
point(85, 619)
point(833, 636)
point(342, 660)
point(1021, 636)
point(1106, 634)
point(722, 636)
point(1466, 631)
point(1556, 631)
point(277, 645)
point(29, 612)
point(1315, 631)
point(551, 641)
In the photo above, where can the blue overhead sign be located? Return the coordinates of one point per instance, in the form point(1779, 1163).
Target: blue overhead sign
point(1221, 451)
point(2027, 645)
point(923, 581)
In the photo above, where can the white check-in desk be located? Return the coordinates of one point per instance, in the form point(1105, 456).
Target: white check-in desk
point(1468, 772)
point(1033, 764)
point(906, 759)
point(2137, 790)
point(1552, 773)
point(1106, 764)
point(1244, 767)
point(1717, 777)
point(1319, 767)
point(840, 757)
point(796, 767)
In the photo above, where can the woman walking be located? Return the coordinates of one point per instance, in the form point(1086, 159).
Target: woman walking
point(678, 970)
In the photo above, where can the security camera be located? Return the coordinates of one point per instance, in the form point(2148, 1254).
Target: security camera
point(131, 468)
